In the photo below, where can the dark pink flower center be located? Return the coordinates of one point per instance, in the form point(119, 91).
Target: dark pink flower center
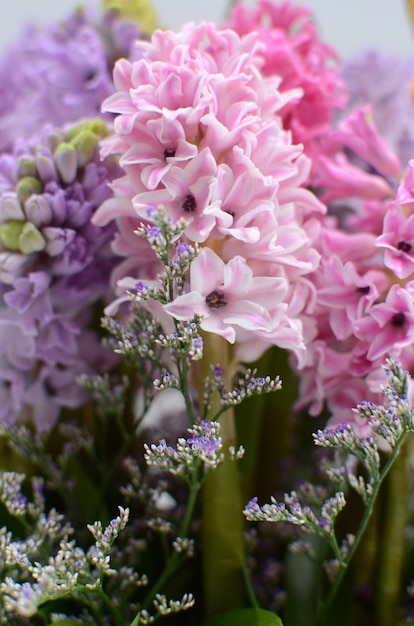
point(169, 152)
point(189, 205)
point(404, 246)
point(398, 319)
point(215, 300)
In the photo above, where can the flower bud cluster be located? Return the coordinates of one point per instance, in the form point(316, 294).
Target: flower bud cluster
point(203, 446)
point(70, 570)
point(166, 607)
point(250, 385)
point(292, 510)
point(186, 339)
point(98, 554)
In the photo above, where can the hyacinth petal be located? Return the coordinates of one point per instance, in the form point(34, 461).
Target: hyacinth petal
point(237, 276)
point(248, 315)
point(111, 209)
point(344, 180)
point(184, 307)
point(207, 271)
point(359, 133)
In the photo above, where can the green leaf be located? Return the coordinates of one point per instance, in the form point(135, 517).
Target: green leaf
point(87, 494)
point(244, 617)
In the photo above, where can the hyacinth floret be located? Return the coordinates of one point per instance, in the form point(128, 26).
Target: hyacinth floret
point(364, 306)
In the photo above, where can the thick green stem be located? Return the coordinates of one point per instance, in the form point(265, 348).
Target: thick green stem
point(223, 522)
point(392, 540)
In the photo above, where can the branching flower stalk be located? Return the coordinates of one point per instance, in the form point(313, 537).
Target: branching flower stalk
point(206, 361)
point(193, 459)
point(393, 425)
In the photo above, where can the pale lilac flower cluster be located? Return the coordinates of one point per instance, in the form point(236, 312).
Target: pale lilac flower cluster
point(70, 570)
point(199, 133)
point(163, 607)
point(61, 73)
point(54, 267)
point(204, 446)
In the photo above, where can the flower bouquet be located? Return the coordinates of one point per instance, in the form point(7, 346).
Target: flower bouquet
point(206, 237)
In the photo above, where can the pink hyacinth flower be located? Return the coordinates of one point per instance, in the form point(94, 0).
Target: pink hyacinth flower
point(388, 326)
point(229, 297)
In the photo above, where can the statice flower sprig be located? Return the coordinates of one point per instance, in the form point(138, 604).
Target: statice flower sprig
point(71, 570)
point(203, 447)
point(392, 424)
point(245, 386)
point(49, 559)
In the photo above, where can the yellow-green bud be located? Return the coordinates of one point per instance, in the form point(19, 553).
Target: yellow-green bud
point(85, 144)
point(10, 233)
point(66, 161)
point(31, 239)
point(26, 167)
point(27, 186)
point(142, 11)
point(95, 125)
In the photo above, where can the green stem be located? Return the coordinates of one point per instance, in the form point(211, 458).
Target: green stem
point(223, 523)
point(249, 590)
point(392, 541)
point(119, 620)
point(322, 615)
point(174, 560)
point(184, 379)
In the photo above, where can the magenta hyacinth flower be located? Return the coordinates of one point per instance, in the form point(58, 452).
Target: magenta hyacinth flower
point(293, 51)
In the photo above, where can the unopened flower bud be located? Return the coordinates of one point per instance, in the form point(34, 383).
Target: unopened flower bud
point(10, 208)
point(10, 233)
point(46, 167)
point(38, 210)
point(26, 167)
point(66, 161)
point(27, 186)
point(85, 144)
point(31, 239)
point(95, 125)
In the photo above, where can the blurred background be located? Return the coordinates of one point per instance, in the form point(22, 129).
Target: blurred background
point(349, 26)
